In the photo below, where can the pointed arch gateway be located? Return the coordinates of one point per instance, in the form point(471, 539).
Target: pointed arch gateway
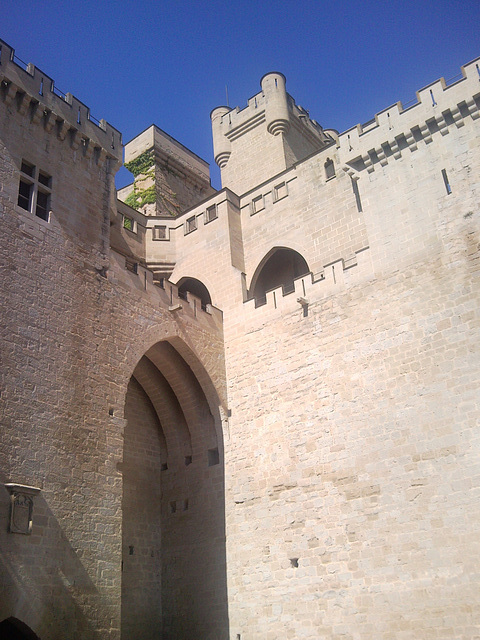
point(173, 538)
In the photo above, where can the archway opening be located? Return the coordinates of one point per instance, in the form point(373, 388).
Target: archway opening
point(197, 288)
point(279, 268)
point(174, 566)
point(13, 629)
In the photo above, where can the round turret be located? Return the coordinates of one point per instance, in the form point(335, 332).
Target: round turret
point(221, 144)
point(276, 104)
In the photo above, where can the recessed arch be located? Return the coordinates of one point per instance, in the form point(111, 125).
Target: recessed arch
point(278, 268)
point(196, 287)
point(173, 499)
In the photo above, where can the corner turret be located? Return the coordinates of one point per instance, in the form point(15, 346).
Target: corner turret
point(277, 115)
point(268, 136)
point(222, 147)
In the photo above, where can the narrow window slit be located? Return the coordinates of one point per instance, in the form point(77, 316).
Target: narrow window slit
point(356, 193)
point(446, 182)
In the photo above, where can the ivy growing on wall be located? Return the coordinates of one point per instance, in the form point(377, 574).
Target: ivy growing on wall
point(139, 198)
point(142, 164)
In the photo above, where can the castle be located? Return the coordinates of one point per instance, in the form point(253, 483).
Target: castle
point(245, 414)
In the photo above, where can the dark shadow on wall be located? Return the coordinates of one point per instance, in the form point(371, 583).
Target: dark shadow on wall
point(13, 629)
point(174, 559)
point(43, 583)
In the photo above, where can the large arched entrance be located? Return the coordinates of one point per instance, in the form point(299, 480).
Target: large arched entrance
point(174, 577)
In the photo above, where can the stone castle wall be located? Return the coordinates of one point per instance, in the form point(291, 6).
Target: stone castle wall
point(77, 325)
point(310, 458)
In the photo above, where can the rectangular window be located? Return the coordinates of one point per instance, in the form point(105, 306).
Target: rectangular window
point(257, 204)
point(27, 168)
point(211, 213)
point(34, 190)
point(129, 224)
point(44, 179)
point(190, 225)
point(131, 265)
point(279, 192)
point(41, 209)
point(159, 232)
point(25, 191)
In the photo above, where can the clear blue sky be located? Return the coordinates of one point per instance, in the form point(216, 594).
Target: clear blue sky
point(140, 62)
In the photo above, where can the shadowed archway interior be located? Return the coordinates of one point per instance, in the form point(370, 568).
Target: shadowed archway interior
point(192, 285)
point(13, 629)
point(174, 568)
point(279, 268)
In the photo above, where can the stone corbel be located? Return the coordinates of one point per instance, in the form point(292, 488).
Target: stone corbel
point(77, 138)
point(63, 129)
point(49, 120)
point(21, 507)
point(23, 104)
point(10, 93)
point(37, 112)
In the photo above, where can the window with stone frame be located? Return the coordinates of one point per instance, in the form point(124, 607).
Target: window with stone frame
point(329, 169)
point(190, 225)
point(34, 190)
point(211, 213)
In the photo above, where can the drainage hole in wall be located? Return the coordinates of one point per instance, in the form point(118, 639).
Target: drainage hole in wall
point(131, 550)
point(294, 562)
point(188, 460)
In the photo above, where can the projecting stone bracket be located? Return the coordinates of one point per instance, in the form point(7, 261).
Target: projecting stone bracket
point(21, 507)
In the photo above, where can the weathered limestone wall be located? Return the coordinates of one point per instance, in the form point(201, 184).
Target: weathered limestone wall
point(351, 454)
point(358, 455)
point(77, 325)
point(353, 448)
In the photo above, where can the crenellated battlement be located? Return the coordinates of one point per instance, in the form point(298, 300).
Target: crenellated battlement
point(35, 93)
point(131, 276)
point(271, 124)
point(438, 107)
point(272, 105)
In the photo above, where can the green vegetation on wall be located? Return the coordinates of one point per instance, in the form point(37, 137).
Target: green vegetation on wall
point(142, 164)
point(138, 199)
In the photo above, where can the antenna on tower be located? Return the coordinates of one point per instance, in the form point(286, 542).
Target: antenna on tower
point(226, 93)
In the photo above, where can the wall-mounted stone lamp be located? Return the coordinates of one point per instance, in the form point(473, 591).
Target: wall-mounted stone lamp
point(21, 507)
point(303, 302)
